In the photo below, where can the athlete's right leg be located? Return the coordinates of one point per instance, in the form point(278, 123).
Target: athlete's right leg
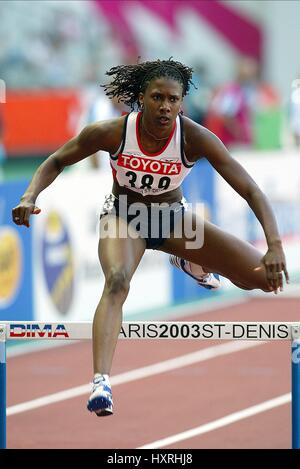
point(119, 258)
point(204, 278)
point(222, 253)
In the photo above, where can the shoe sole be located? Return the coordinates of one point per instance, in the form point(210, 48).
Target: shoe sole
point(104, 412)
point(204, 285)
point(99, 406)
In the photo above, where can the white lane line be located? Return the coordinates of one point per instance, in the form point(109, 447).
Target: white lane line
point(219, 423)
point(139, 373)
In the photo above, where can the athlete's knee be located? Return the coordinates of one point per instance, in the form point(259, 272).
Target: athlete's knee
point(242, 286)
point(265, 288)
point(262, 281)
point(117, 282)
point(259, 286)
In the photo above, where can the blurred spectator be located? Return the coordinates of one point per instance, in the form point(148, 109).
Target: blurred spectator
point(294, 111)
point(234, 105)
point(50, 44)
point(197, 101)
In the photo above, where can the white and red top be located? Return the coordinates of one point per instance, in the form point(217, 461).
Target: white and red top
point(149, 173)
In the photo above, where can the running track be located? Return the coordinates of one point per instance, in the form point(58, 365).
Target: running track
point(183, 400)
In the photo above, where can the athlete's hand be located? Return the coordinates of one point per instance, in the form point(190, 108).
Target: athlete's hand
point(21, 213)
point(274, 261)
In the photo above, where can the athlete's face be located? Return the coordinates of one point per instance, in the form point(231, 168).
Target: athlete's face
point(161, 101)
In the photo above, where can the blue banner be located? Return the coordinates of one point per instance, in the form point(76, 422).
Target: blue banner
point(16, 296)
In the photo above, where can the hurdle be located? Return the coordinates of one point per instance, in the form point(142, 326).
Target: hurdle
point(176, 330)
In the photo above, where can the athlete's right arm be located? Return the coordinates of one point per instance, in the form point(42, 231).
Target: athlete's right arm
point(94, 137)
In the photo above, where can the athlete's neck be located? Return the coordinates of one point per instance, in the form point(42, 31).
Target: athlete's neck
point(144, 127)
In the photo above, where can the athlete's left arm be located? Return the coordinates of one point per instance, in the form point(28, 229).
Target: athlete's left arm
point(210, 146)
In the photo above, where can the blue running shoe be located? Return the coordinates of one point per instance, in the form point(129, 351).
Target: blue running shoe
point(100, 401)
point(206, 280)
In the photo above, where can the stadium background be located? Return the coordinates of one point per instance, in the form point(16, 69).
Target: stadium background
point(53, 57)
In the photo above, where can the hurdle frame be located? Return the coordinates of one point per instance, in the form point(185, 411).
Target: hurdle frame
point(29, 330)
point(2, 386)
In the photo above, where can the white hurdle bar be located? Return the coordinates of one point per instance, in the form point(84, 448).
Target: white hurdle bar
point(82, 330)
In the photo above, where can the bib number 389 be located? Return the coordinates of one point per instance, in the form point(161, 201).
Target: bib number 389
point(147, 181)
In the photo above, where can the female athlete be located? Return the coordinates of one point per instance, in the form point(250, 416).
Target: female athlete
point(151, 151)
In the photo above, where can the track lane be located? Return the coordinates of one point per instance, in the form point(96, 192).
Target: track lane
point(151, 408)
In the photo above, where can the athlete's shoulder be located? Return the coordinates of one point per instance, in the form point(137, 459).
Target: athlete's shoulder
point(107, 126)
point(196, 137)
point(193, 129)
point(108, 133)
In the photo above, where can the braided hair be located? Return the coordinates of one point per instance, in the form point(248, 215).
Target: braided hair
point(130, 80)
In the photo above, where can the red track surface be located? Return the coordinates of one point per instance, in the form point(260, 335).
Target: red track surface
point(156, 407)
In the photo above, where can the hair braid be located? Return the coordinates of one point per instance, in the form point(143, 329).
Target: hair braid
point(129, 80)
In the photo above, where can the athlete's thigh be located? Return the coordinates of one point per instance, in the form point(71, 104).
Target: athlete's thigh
point(221, 252)
point(119, 249)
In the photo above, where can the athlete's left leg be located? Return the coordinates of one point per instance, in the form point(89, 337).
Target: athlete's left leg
point(221, 253)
